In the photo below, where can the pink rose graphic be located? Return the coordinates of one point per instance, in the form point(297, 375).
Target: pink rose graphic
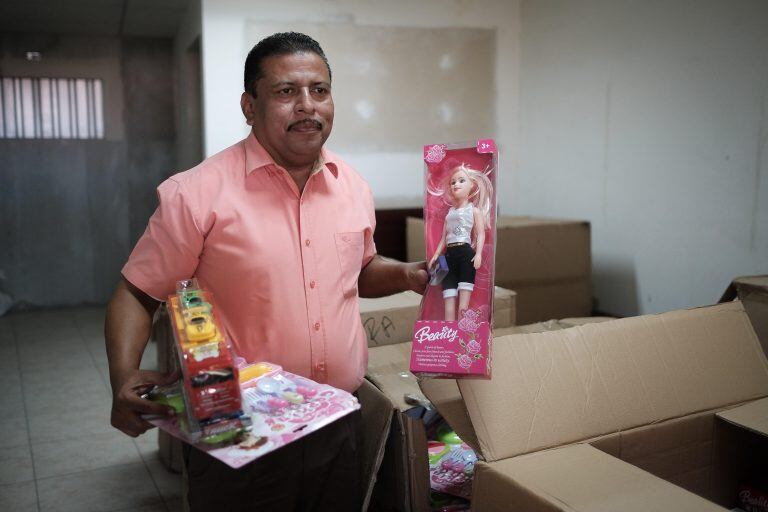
point(435, 154)
point(473, 347)
point(469, 322)
point(465, 361)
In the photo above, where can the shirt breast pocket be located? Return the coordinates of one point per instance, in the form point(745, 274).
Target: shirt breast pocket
point(349, 247)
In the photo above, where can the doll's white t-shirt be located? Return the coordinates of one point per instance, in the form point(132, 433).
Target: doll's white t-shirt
point(459, 222)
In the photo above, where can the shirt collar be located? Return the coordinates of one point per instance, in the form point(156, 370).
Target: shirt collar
point(256, 157)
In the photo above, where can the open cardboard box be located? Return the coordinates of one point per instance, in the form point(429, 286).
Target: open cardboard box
point(658, 412)
point(546, 261)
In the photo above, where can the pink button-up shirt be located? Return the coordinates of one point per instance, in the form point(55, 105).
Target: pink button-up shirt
point(282, 265)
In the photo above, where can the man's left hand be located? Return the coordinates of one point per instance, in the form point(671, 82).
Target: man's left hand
point(385, 276)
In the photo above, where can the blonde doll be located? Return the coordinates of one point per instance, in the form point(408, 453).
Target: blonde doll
point(469, 193)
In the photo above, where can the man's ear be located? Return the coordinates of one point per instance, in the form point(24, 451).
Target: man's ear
point(246, 105)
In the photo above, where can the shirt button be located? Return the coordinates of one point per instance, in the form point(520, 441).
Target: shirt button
point(320, 367)
point(317, 326)
point(312, 284)
point(345, 238)
point(307, 242)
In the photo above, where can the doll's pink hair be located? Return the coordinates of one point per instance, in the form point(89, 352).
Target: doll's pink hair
point(480, 196)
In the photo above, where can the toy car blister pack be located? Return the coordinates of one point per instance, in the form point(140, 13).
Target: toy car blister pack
point(213, 404)
point(452, 337)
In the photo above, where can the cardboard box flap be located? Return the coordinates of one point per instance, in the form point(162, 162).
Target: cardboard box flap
point(752, 291)
point(568, 385)
point(752, 416)
point(581, 478)
point(388, 370)
point(376, 418)
point(550, 325)
point(583, 320)
point(445, 396)
point(746, 284)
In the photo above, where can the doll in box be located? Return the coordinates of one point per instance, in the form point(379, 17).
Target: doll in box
point(468, 192)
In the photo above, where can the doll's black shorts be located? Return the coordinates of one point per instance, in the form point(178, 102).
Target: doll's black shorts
point(460, 266)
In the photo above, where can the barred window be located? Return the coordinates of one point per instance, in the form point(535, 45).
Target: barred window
point(51, 108)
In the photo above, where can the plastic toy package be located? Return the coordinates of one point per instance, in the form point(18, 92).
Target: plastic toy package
point(452, 337)
point(236, 411)
point(451, 464)
point(211, 396)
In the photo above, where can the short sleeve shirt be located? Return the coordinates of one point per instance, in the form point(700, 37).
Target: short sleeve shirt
point(282, 265)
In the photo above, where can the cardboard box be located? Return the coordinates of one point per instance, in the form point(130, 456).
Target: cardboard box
point(403, 478)
point(546, 261)
point(659, 412)
point(752, 291)
point(389, 320)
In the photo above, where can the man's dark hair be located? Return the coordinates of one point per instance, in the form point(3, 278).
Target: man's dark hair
point(282, 43)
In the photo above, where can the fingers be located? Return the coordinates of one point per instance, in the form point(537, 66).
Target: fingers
point(419, 280)
point(144, 406)
point(129, 422)
point(128, 406)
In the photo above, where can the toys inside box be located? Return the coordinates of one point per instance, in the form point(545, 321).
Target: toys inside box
point(452, 335)
point(451, 461)
point(234, 410)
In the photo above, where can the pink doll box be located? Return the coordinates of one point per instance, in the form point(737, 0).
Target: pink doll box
point(452, 337)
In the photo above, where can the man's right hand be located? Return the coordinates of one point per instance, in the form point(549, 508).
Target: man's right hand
point(128, 407)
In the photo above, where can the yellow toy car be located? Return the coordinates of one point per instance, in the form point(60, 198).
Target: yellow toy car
point(199, 328)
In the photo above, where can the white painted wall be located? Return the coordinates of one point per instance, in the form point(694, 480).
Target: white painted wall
point(395, 176)
point(649, 119)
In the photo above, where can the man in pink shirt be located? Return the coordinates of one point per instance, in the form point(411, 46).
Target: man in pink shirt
point(281, 231)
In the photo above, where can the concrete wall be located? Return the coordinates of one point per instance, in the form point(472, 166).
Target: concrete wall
point(231, 27)
point(71, 210)
point(649, 119)
point(187, 61)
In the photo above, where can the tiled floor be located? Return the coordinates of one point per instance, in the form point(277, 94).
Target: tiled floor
point(57, 449)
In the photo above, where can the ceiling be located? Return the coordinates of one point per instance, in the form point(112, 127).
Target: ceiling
point(140, 18)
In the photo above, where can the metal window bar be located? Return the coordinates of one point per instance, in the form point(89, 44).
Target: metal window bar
point(51, 108)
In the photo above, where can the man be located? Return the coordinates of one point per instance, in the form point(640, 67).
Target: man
point(281, 231)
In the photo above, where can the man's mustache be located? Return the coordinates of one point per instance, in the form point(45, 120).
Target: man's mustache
point(317, 124)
